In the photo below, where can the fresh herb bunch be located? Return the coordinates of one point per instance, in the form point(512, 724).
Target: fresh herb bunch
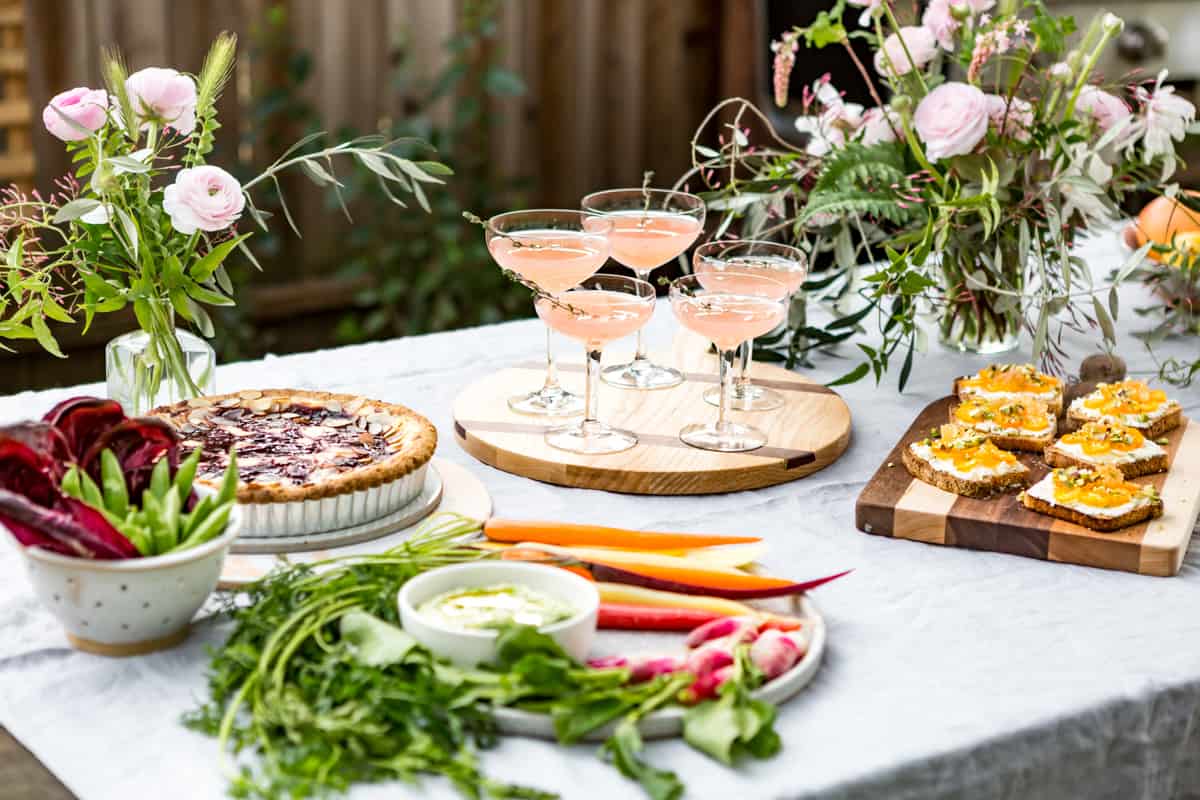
point(163, 523)
point(319, 680)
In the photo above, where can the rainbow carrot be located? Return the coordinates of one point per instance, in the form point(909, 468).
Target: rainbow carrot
point(618, 616)
point(575, 535)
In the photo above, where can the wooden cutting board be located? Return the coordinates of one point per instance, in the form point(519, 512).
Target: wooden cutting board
point(810, 432)
point(896, 504)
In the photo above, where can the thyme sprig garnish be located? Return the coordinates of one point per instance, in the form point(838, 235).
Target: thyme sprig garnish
point(475, 219)
point(538, 292)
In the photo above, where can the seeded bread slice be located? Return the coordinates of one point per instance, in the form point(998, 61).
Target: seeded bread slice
point(1054, 404)
point(1129, 469)
point(1149, 510)
point(1028, 444)
point(922, 470)
point(1151, 430)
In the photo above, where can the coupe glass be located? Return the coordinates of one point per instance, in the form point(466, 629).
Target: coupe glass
point(727, 309)
point(779, 262)
point(650, 228)
point(602, 309)
point(551, 250)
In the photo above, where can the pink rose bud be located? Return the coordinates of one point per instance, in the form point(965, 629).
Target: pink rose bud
point(164, 97)
point(86, 108)
point(706, 686)
point(206, 198)
point(709, 657)
point(774, 653)
point(743, 628)
point(894, 57)
point(951, 120)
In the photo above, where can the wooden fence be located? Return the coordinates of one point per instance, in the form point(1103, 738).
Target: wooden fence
point(614, 87)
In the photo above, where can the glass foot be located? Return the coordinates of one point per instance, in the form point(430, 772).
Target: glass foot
point(731, 438)
point(556, 402)
point(641, 374)
point(746, 397)
point(590, 438)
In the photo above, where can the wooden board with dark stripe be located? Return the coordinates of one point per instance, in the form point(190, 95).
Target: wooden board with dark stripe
point(811, 431)
point(896, 504)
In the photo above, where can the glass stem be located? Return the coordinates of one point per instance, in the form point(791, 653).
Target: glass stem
point(592, 392)
point(725, 360)
point(746, 356)
point(551, 384)
point(640, 356)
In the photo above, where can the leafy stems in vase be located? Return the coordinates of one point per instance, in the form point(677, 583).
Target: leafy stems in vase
point(144, 221)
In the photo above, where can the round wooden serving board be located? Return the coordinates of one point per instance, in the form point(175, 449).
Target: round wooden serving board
point(808, 433)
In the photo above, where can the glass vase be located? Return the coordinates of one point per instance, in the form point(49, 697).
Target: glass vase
point(982, 315)
point(158, 364)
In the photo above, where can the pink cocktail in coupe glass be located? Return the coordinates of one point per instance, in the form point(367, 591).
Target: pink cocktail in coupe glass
point(779, 262)
point(650, 228)
point(601, 310)
point(553, 250)
point(727, 309)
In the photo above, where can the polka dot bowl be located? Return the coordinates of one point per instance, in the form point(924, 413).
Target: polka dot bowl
point(130, 606)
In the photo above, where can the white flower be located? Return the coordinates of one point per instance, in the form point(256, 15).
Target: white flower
point(879, 125)
point(835, 124)
point(100, 215)
point(871, 8)
point(1164, 120)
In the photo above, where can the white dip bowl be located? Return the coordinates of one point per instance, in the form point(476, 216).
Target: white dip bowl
point(468, 648)
point(129, 606)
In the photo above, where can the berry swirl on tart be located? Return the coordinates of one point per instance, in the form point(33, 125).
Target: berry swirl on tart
point(308, 461)
point(1010, 424)
point(957, 459)
point(1102, 443)
point(1130, 403)
point(1012, 382)
point(1098, 498)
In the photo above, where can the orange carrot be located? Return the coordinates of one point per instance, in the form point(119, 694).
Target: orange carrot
point(570, 534)
point(540, 557)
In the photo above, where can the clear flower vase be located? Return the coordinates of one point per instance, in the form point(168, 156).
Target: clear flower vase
point(160, 365)
point(978, 320)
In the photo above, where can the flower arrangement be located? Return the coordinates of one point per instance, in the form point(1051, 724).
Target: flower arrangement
point(996, 147)
point(144, 221)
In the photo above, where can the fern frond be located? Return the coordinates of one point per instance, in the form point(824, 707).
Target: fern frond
point(855, 202)
point(855, 166)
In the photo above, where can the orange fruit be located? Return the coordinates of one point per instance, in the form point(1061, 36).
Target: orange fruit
point(1164, 220)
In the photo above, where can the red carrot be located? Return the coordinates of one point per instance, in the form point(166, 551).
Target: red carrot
point(621, 616)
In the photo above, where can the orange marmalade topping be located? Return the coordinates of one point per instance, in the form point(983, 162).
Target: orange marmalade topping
point(1126, 397)
point(967, 449)
point(1012, 378)
point(1099, 488)
point(1105, 437)
point(1028, 415)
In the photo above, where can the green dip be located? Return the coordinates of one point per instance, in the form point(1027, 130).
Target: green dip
point(487, 607)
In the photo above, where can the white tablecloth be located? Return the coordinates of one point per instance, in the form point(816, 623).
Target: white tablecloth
point(950, 673)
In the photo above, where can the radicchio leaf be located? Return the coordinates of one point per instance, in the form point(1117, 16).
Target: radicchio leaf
point(84, 420)
point(73, 528)
point(26, 472)
point(138, 444)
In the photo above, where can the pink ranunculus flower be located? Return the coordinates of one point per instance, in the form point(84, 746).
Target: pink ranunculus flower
point(1105, 108)
point(939, 18)
point(206, 198)
point(163, 96)
point(891, 58)
point(879, 125)
point(87, 108)
point(951, 120)
point(1014, 120)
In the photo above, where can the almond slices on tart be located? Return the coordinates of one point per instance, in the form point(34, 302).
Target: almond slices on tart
point(308, 461)
point(963, 461)
point(1102, 443)
point(1098, 498)
point(1010, 424)
point(1012, 382)
point(1131, 403)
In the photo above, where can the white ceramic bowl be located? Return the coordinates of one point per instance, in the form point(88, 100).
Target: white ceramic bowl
point(468, 648)
point(128, 606)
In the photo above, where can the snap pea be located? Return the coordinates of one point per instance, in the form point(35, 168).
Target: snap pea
point(116, 494)
point(160, 538)
point(197, 515)
point(171, 507)
point(90, 491)
point(160, 478)
point(229, 484)
point(70, 483)
point(186, 474)
point(211, 527)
